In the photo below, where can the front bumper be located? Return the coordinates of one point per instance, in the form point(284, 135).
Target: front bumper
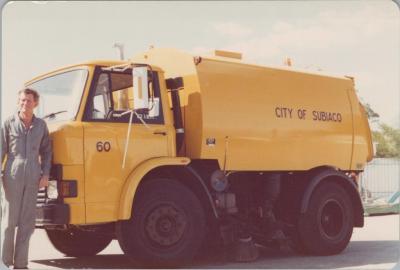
point(52, 214)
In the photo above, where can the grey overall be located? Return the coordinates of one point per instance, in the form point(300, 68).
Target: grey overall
point(22, 172)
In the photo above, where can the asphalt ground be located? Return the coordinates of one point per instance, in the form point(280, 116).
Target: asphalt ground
point(376, 246)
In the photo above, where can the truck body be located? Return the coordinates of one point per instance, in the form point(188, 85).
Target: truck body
point(225, 150)
point(281, 114)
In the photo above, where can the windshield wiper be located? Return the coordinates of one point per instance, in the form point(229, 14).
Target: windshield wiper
point(51, 115)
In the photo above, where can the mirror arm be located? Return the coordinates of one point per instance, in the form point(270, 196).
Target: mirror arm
point(129, 131)
point(127, 137)
point(141, 120)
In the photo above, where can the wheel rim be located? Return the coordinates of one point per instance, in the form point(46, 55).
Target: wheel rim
point(332, 219)
point(165, 225)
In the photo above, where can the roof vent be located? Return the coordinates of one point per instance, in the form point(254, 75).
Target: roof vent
point(227, 54)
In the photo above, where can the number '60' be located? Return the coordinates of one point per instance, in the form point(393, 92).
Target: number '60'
point(100, 146)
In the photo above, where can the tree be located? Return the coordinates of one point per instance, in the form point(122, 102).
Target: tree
point(388, 140)
point(372, 115)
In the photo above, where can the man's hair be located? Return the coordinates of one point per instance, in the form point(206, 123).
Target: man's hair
point(30, 91)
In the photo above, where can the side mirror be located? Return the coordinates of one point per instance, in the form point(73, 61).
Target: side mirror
point(140, 89)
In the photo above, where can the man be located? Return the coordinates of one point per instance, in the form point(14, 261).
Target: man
point(24, 140)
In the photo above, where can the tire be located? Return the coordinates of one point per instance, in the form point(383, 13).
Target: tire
point(167, 226)
point(78, 243)
point(327, 225)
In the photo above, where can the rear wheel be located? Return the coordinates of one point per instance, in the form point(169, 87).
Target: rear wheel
point(167, 226)
point(78, 243)
point(327, 225)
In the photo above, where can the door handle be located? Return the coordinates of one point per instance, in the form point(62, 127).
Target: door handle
point(160, 132)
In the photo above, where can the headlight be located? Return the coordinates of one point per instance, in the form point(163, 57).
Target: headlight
point(52, 192)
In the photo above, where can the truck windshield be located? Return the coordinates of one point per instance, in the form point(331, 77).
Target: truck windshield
point(60, 94)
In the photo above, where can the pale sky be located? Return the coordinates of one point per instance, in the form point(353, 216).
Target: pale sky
point(355, 38)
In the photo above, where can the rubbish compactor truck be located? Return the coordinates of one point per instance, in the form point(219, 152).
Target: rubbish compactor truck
point(168, 152)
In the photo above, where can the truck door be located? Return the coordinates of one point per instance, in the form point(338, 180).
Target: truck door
point(105, 134)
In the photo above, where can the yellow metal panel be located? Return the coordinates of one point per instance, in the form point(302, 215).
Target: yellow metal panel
point(67, 142)
point(131, 184)
point(104, 175)
point(77, 213)
point(173, 62)
point(267, 119)
point(233, 55)
point(101, 212)
point(193, 120)
point(107, 166)
point(362, 151)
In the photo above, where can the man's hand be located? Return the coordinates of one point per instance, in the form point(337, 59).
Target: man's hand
point(44, 181)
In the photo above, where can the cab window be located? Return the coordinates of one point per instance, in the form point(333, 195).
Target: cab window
point(67, 87)
point(111, 96)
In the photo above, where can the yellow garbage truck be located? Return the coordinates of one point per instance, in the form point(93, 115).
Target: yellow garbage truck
point(169, 153)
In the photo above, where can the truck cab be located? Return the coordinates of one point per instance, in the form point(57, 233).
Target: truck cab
point(83, 105)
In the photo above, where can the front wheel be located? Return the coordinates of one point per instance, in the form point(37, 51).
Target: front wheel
point(167, 226)
point(327, 225)
point(78, 243)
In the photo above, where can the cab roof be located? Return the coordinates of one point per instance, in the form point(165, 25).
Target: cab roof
point(86, 63)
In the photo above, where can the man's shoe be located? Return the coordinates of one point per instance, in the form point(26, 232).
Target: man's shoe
point(15, 267)
point(7, 264)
